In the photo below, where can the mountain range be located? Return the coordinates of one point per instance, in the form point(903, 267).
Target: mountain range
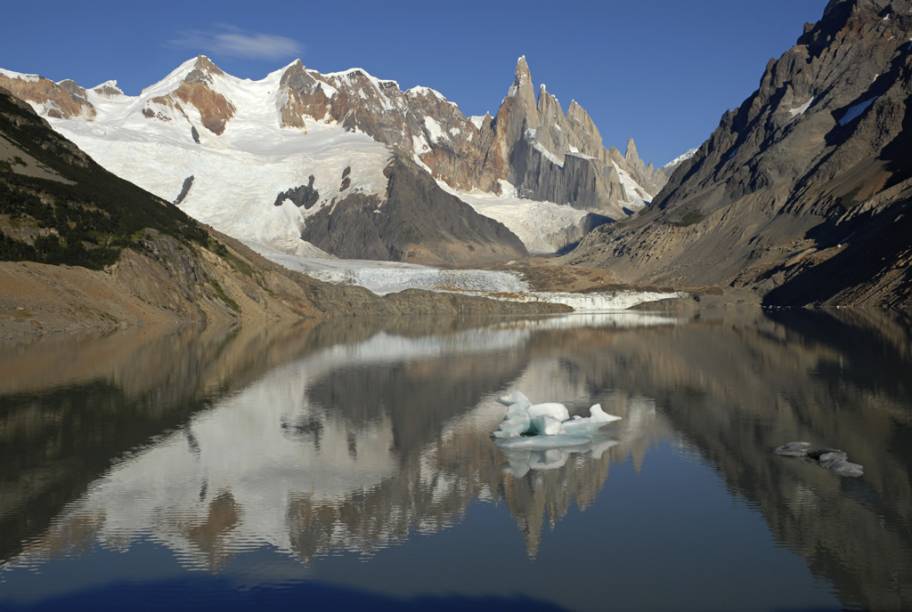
point(84, 250)
point(800, 196)
point(351, 164)
point(802, 193)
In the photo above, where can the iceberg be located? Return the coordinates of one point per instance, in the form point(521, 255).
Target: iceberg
point(547, 425)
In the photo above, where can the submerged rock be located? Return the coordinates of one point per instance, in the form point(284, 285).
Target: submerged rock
point(847, 469)
point(833, 459)
point(793, 449)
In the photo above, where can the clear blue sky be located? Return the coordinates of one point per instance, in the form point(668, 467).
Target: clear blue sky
point(660, 71)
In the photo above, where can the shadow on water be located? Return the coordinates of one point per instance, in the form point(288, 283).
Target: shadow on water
point(356, 437)
point(212, 593)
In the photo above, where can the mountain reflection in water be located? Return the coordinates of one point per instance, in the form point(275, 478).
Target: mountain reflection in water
point(350, 439)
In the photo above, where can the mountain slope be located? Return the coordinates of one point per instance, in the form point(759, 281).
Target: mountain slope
point(230, 151)
point(801, 194)
point(81, 249)
point(415, 221)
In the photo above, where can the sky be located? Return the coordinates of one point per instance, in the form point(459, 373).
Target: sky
point(662, 72)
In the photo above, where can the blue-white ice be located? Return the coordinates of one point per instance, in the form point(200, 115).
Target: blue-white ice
point(531, 426)
point(384, 277)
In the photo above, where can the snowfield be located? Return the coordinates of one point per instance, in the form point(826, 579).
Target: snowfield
point(238, 175)
point(384, 277)
point(544, 227)
point(637, 197)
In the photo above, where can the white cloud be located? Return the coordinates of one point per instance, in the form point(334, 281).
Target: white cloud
point(227, 40)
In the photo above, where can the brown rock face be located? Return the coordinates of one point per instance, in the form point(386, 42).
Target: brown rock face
point(196, 90)
point(418, 122)
point(803, 192)
point(214, 109)
point(550, 155)
point(109, 89)
point(305, 97)
point(61, 100)
point(525, 144)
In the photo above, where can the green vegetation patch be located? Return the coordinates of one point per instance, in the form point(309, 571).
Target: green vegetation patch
point(93, 219)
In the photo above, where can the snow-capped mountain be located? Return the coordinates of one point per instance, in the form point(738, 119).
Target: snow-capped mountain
point(303, 161)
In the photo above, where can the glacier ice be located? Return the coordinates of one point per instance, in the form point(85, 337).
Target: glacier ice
point(517, 397)
point(529, 426)
point(554, 410)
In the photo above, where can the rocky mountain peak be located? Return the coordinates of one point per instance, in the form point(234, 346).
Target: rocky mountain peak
point(108, 88)
point(521, 73)
point(61, 100)
point(202, 70)
point(190, 84)
point(631, 154)
point(522, 90)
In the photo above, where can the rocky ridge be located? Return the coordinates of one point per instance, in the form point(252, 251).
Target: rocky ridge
point(531, 149)
point(803, 193)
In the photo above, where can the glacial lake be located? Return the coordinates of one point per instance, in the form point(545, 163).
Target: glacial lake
point(349, 465)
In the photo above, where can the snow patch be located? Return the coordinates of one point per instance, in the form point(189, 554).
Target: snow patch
point(420, 90)
point(478, 120)
point(19, 75)
point(543, 227)
point(636, 196)
point(420, 144)
point(554, 159)
point(680, 159)
point(434, 130)
point(109, 84)
point(799, 110)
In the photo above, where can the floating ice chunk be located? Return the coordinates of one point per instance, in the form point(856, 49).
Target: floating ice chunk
point(514, 426)
point(517, 397)
point(544, 425)
point(581, 426)
point(551, 409)
point(550, 420)
point(518, 410)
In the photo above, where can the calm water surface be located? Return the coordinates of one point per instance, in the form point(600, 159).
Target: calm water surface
point(349, 466)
